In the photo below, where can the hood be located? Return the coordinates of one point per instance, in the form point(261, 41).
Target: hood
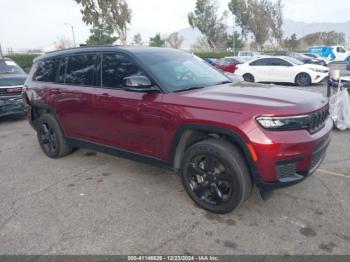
point(324, 69)
point(256, 98)
point(12, 79)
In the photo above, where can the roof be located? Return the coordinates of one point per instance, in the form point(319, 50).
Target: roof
point(102, 48)
point(6, 58)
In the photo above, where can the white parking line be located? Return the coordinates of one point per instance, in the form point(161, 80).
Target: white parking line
point(333, 173)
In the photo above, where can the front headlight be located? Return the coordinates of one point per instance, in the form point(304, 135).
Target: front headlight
point(318, 70)
point(284, 123)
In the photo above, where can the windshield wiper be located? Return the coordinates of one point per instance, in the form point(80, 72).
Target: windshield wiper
point(189, 88)
point(223, 82)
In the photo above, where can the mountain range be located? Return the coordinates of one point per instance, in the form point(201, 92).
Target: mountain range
point(290, 27)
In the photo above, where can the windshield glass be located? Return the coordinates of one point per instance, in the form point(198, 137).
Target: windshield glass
point(9, 67)
point(293, 60)
point(180, 71)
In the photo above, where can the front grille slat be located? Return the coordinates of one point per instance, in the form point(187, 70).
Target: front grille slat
point(317, 119)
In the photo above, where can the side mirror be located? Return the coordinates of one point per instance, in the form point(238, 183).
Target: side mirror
point(139, 84)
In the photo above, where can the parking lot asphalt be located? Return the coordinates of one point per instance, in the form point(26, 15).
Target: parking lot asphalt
point(92, 203)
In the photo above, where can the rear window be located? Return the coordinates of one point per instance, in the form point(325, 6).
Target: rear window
point(81, 70)
point(9, 67)
point(47, 70)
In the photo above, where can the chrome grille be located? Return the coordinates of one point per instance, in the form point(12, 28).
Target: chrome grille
point(10, 91)
point(318, 118)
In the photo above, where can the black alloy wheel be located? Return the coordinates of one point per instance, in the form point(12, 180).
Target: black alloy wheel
point(51, 137)
point(206, 176)
point(215, 175)
point(48, 139)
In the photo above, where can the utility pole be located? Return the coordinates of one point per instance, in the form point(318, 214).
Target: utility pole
point(73, 34)
point(1, 56)
point(233, 37)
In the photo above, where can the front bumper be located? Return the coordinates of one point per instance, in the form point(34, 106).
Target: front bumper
point(286, 158)
point(11, 106)
point(319, 77)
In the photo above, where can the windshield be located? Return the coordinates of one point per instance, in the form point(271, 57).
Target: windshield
point(9, 67)
point(180, 71)
point(293, 60)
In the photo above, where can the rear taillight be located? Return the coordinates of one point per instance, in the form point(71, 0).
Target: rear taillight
point(14, 90)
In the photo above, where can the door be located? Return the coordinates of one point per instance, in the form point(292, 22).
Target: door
point(73, 94)
point(125, 119)
point(281, 71)
point(261, 70)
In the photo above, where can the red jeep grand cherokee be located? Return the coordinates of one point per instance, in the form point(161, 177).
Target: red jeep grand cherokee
point(169, 107)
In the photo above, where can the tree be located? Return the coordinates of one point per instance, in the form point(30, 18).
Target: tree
point(101, 35)
point(175, 40)
point(325, 38)
point(277, 22)
point(262, 18)
point(239, 42)
point(201, 45)
point(292, 43)
point(157, 41)
point(137, 40)
point(206, 19)
point(63, 43)
point(109, 16)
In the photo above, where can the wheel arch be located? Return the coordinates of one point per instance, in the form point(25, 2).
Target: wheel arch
point(39, 109)
point(190, 134)
point(300, 73)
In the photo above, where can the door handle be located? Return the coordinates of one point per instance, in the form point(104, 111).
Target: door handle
point(105, 95)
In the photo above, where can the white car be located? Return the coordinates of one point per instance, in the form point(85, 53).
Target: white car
point(248, 54)
point(282, 69)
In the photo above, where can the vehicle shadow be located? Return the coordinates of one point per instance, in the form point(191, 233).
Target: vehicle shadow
point(11, 118)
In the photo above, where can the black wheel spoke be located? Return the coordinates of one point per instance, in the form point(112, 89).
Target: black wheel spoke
point(209, 164)
point(208, 179)
point(217, 195)
point(196, 169)
point(45, 129)
point(200, 189)
point(221, 177)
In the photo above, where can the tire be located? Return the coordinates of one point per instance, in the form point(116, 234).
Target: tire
point(215, 176)
point(303, 79)
point(249, 78)
point(51, 138)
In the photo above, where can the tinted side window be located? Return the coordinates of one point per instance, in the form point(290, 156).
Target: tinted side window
point(278, 62)
point(115, 67)
point(260, 62)
point(47, 70)
point(81, 70)
point(61, 70)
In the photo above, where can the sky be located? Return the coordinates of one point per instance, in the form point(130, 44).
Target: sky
point(29, 24)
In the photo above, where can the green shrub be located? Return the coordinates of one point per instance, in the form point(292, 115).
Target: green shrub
point(23, 60)
point(217, 55)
